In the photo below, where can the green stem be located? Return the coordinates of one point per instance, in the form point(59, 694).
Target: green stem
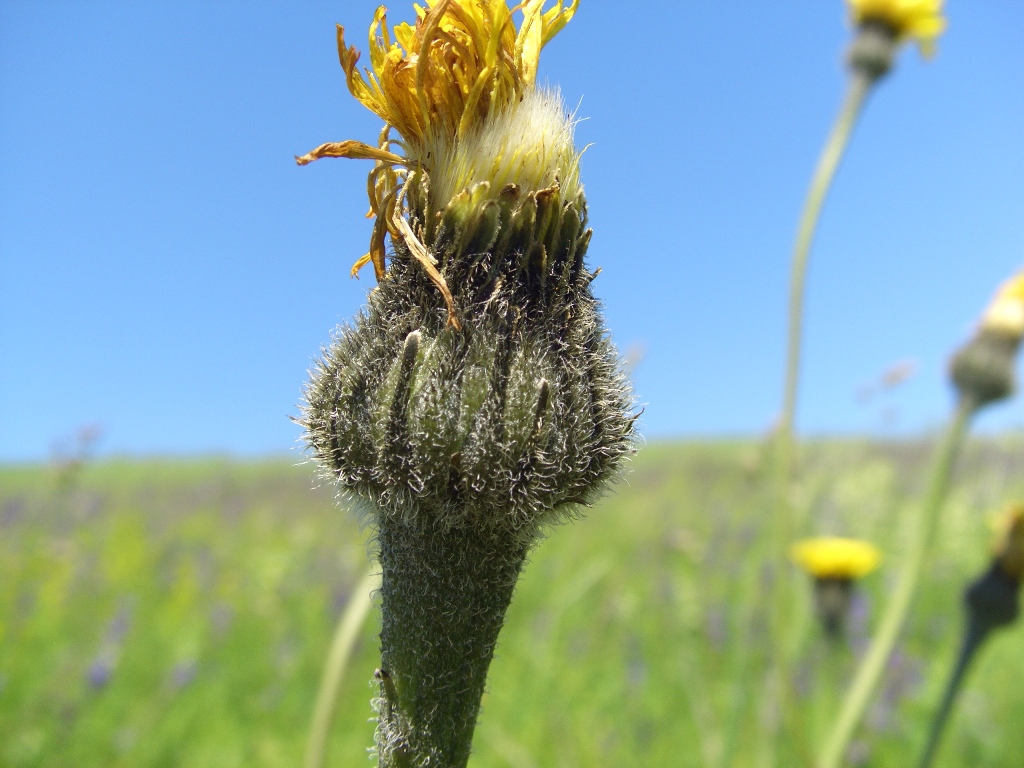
point(443, 600)
point(973, 639)
point(871, 667)
point(828, 163)
point(821, 182)
point(344, 641)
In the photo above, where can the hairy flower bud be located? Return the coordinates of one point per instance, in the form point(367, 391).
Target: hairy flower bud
point(506, 422)
point(478, 397)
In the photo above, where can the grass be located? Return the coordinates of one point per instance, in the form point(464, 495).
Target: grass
point(178, 614)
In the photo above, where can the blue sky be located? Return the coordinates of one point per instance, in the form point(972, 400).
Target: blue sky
point(168, 273)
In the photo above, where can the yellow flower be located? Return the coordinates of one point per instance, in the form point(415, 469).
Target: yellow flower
point(1009, 550)
point(1006, 312)
point(832, 557)
point(919, 19)
point(441, 84)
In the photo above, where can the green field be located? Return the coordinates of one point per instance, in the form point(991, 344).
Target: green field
point(177, 613)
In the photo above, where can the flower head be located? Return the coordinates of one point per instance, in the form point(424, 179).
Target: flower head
point(1006, 312)
point(832, 557)
point(921, 20)
point(458, 86)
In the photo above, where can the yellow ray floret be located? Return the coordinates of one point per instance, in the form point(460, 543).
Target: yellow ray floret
point(832, 557)
point(921, 20)
point(1006, 312)
point(1009, 549)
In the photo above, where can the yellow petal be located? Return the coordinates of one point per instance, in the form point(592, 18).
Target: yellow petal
point(361, 262)
point(556, 18)
point(529, 42)
point(355, 150)
point(1005, 314)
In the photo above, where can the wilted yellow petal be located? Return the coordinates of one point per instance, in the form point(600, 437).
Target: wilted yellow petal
point(529, 42)
point(361, 262)
point(355, 150)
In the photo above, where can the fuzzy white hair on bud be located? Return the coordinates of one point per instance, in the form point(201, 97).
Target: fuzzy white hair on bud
point(530, 144)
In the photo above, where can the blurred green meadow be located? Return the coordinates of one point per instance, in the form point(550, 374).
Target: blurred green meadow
point(177, 613)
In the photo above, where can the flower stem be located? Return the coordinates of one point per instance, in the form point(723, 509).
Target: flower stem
point(821, 182)
point(443, 599)
point(873, 664)
point(973, 639)
point(344, 641)
point(824, 173)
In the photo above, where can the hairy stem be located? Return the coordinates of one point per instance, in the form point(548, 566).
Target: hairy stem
point(444, 596)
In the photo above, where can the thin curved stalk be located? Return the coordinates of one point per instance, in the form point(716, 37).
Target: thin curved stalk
point(344, 641)
point(821, 182)
point(873, 664)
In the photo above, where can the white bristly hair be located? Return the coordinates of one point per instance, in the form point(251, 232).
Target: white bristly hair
point(529, 143)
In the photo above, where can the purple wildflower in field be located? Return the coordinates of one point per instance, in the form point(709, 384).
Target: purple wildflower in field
point(182, 674)
point(120, 624)
point(102, 667)
point(100, 672)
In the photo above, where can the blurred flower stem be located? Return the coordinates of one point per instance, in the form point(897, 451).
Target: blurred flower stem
point(824, 173)
point(870, 669)
point(828, 163)
point(342, 645)
point(973, 640)
point(821, 182)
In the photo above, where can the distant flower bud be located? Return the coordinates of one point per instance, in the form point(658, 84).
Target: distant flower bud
point(983, 369)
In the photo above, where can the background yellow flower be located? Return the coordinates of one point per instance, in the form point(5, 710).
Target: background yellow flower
point(919, 19)
point(833, 557)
